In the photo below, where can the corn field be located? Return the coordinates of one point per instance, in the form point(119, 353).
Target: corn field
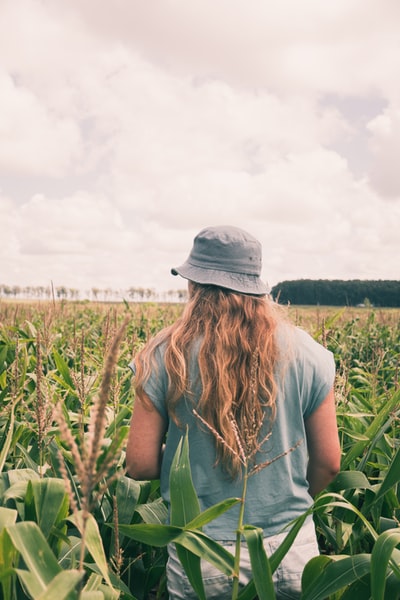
point(74, 526)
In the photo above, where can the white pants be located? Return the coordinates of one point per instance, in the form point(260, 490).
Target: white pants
point(287, 577)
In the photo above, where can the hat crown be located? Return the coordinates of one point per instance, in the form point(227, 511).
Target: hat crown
point(226, 257)
point(228, 249)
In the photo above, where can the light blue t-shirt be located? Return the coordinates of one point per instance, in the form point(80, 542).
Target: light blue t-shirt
point(279, 492)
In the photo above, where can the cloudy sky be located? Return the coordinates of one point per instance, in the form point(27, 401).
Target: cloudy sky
point(127, 126)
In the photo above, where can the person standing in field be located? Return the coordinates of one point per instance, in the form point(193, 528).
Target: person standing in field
point(244, 381)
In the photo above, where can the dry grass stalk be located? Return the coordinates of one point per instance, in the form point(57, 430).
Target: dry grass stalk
point(14, 385)
point(242, 453)
point(117, 559)
point(68, 438)
point(265, 464)
point(216, 434)
point(67, 484)
point(41, 409)
point(89, 472)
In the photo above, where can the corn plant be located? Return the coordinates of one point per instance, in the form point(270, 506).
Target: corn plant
point(54, 355)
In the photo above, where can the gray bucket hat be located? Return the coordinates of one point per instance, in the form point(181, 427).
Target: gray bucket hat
point(227, 257)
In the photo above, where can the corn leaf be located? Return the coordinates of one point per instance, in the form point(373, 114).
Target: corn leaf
point(313, 571)
point(359, 590)
point(380, 423)
point(380, 556)
point(151, 533)
point(42, 565)
point(212, 513)
point(343, 503)
point(192, 565)
point(8, 440)
point(93, 542)
point(336, 573)
point(153, 512)
point(46, 503)
point(127, 494)
point(277, 557)
point(260, 565)
point(8, 516)
point(349, 480)
point(62, 585)
point(184, 502)
point(207, 548)
point(8, 553)
point(64, 370)
point(392, 477)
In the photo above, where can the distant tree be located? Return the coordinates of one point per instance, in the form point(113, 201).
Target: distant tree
point(61, 292)
point(338, 292)
point(182, 295)
point(73, 293)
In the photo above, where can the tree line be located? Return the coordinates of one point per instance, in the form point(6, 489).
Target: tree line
point(327, 292)
point(62, 292)
point(338, 292)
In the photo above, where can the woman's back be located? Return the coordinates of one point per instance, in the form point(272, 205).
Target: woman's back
point(277, 492)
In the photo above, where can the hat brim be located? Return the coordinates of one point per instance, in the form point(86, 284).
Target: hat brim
point(237, 282)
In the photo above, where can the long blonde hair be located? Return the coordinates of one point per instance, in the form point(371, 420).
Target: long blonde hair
point(236, 358)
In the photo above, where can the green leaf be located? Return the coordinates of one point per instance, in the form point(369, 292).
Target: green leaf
point(392, 477)
point(46, 502)
point(8, 553)
point(25, 475)
point(378, 424)
point(212, 513)
point(8, 440)
point(91, 535)
point(184, 502)
point(248, 592)
point(336, 573)
point(127, 494)
point(63, 369)
point(153, 512)
point(260, 565)
point(313, 571)
point(359, 590)
point(42, 565)
point(207, 548)
point(8, 516)
point(192, 566)
point(62, 585)
point(151, 533)
point(392, 590)
point(279, 554)
point(343, 503)
point(380, 557)
point(3, 380)
point(93, 583)
point(349, 480)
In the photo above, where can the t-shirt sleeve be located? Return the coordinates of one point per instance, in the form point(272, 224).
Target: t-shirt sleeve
point(318, 373)
point(156, 386)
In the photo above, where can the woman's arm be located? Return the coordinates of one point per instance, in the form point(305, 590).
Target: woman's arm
point(323, 445)
point(145, 441)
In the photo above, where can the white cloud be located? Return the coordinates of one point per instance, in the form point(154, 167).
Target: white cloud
point(130, 126)
point(32, 140)
point(348, 46)
point(385, 148)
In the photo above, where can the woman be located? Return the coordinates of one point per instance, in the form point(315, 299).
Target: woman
point(251, 388)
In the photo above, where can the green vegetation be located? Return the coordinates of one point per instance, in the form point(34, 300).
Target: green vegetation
point(336, 292)
point(72, 525)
